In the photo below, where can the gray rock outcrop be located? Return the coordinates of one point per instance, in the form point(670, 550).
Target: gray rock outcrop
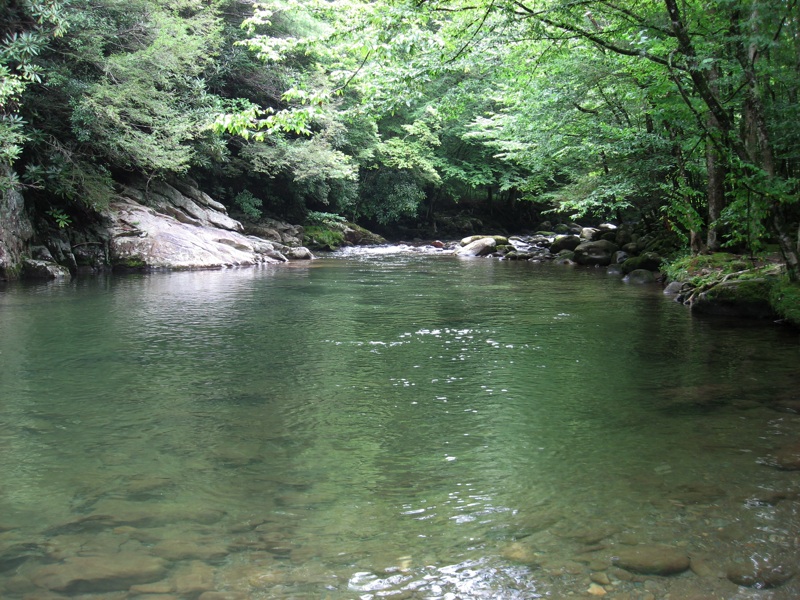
point(179, 227)
point(147, 225)
point(141, 237)
point(15, 231)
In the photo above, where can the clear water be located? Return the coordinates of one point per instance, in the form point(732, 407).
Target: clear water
point(391, 426)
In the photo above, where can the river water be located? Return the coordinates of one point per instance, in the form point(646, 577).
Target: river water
point(388, 426)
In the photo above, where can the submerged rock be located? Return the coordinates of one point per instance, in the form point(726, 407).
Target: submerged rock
point(97, 574)
point(640, 276)
point(652, 559)
point(759, 573)
point(788, 457)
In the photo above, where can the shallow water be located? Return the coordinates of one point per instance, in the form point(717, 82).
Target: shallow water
point(386, 425)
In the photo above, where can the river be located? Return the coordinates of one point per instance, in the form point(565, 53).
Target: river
point(388, 426)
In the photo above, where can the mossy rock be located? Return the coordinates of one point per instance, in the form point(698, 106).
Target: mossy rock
point(611, 236)
point(784, 298)
point(697, 267)
point(129, 263)
point(742, 298)
point(650, 261)
point(320, 237)
point(565, 242)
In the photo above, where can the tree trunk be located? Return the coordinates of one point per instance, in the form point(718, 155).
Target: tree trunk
point(715, 190)
point(760, 149)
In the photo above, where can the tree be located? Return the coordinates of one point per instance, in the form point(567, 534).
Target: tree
point(26, 27)
point(680, 51)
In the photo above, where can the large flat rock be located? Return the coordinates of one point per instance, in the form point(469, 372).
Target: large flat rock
point(97, 574)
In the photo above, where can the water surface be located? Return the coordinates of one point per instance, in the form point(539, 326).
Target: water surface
point(393, 426)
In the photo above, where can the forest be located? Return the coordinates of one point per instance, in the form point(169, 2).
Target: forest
point(682, 115)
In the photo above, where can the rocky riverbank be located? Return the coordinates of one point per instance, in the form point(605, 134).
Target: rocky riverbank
point(719, 284)
point(147, 226)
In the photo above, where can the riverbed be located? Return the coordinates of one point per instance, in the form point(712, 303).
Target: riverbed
point(389, 425)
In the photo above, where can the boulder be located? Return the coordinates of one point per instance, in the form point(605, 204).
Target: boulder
point(788, 457)
point(648, 260)
point(589, 233)
point(479, 247)
point(652, 559)
point(300, 253)
point(631, 248)
point(98, 574)
point(624, 235)
point(564, 261)
point(498, 239)
point(595, 253)
point(190, 549)
point(276, 231)
point(575, 229)
point(619, 257)
point(611, 236)
point(565, 242)
point(759, 573)
point(640, 276)
point(194, 578)
point(43, 269)
point(741, 298)
point(674, 288)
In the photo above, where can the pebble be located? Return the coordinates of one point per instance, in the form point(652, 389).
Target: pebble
point(596, 590)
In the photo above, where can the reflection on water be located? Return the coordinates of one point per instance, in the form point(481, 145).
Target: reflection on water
point(396, 426)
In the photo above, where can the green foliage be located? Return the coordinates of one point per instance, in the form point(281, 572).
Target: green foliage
point(703, 269)
point(314, 217)
point(148, 107)
point(25, 30)
point(785, 300)
point(249, 204)
point(61, 218)
point(70, 178)
point(389, 195)
point(322, 237)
